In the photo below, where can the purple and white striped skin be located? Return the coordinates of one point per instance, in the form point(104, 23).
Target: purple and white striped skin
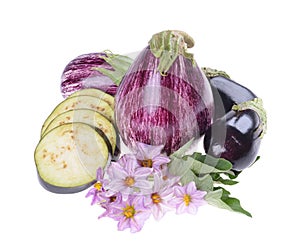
point(80, 74)
point(163, 108)
point(102, 71)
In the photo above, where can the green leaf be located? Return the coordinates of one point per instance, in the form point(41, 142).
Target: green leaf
point(233, 174)
point(188, 177)
point(218, 178)
point(214, 198)
point(182, 150)
point(178, 166)
point(217, 163)
point(227, 181)
point(220, 198)
point(199, 165)
point(205, 183)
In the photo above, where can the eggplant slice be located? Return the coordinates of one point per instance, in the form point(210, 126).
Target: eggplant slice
point(80, 102)
point(96, 93)
point(68, 156)
point(89, 117)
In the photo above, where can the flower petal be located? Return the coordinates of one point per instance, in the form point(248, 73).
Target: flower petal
point(135, 226)
point(160, 160)
point(190, 188)
point(143, 184)
point(116, 185)
point(179, 191)
point(100, 174)
point(130, 165)
point(123, 223)
point(146, 151)
point(142, 172)
point(116, 171)
point(181, 208)
point(192, 208)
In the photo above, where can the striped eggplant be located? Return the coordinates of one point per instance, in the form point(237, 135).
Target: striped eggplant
point(102, 71)
point(164, 98)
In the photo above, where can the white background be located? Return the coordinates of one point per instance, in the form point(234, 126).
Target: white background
point(256, 42)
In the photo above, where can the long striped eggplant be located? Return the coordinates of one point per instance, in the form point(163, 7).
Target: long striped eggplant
point(102, 71)
point(164, 98)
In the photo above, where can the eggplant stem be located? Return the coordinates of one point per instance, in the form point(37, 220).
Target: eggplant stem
point(256, 105)
point(168, 45)
point(119, 63)
point(211, 73)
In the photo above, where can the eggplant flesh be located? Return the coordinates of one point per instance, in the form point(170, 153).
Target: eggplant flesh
point(227, 93)
point(68, 157)
point(235, 137)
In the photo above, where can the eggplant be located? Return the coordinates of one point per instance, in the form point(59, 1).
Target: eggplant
point(226, 92)
point(95, 93)
point(237, 135)
point(102, 71)
point(90, 117)
point(80, 102)
point(164, 98)
point(68, 157)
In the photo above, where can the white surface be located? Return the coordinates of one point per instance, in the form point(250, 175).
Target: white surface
point(256, 42)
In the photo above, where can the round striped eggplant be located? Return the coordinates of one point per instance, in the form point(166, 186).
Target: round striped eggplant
point(226, 92)
point(95, 70)
point(164, 98)
point(237, 135)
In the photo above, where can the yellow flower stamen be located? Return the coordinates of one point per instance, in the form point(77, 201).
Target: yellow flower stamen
point(187, 199)
point(98, 185)
point(155, 198)
point(129, 181)
point(129, 211)
point(146, 163)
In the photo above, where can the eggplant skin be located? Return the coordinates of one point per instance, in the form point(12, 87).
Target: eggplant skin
point(235, 137)
point(227, 93)
point(63, 190)
point(79, 74)
point(165, 109)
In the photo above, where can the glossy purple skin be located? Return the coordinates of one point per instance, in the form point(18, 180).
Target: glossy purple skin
point(79, 74)
point(227, 93)
point(235, 137)
point(168, 110)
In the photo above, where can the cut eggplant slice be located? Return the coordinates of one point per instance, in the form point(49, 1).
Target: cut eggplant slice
point(96, 93)
point(68, 157)
point(80, 102)
point(89, 117)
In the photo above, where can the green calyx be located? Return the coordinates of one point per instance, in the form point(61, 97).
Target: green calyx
point(211, 73)
point(119, 63)
point(256, 105)
point(168, 45)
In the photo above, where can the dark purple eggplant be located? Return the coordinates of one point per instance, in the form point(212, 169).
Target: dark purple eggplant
point(164, 98)
point(226, 92)
point(102, 71)
point(237, 135)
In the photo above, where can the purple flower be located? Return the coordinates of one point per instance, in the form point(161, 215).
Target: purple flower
point(159, 200)
point(127, 177)
point(131, 213)
point(108, 205)
point(98, 191)
point(151, 156)
point(188, 198)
